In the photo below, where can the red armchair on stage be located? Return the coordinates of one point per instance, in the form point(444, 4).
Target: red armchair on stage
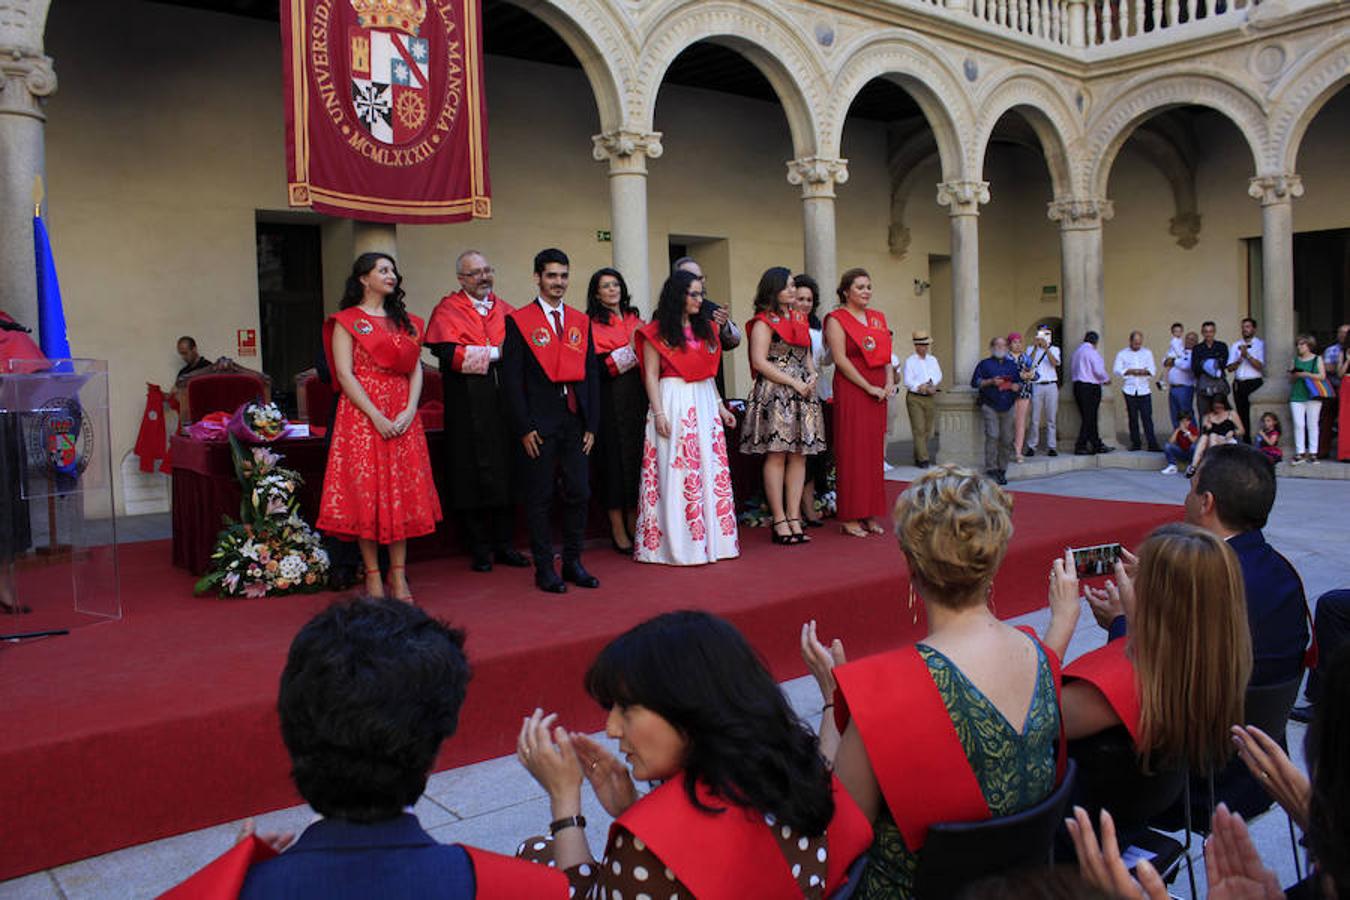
point(219, 391)
point(315, 399)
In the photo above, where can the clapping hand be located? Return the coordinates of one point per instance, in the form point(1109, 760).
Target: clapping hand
point(1275, 771)
point(1102, 866)
point(1233, 868)
point(609, 777)
point(550, 758)
point(821, 660)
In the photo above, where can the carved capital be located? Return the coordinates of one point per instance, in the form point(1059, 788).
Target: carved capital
point(817, 176)
point(1080, 213)
point(1272, 189)
point(627, 151)
point(963, 198)
point(1185, 227)
point(26, 80)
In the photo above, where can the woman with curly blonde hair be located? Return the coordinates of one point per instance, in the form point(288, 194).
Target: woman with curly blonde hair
point(972, 706)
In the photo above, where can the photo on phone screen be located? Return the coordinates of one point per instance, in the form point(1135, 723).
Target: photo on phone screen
point(1091, 562)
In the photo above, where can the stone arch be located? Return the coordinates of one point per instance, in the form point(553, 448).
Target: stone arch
point(1305, 91)
point(1119, 118)
point(772, 44)
point(914, 66)
point(598, 42)
point(1048, 114)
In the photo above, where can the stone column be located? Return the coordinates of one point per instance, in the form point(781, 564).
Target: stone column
point(1080, 261)
point(817, 178)
point(1277, 193)
point(26, 80)
point(375, 237)
point(627, 153)
point(958, 420)
point(1076, 10)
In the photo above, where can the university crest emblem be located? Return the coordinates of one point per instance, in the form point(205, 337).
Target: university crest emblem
point(541, 337)
point(60, 441)
point(574, 337)
point(363, 326)
point(390, 69)
point(869, 344)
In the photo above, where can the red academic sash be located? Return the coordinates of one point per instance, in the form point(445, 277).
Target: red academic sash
point(792, 326)
point(398, 353)
point(734, 854)
point(19, 345)
point(456, 321)
point(694, 363)
point(152, 439)
point(610, 336)
point(1111, 671)
point(496, 877)
point(873, 339)
point(562, 359)
point(916, 754)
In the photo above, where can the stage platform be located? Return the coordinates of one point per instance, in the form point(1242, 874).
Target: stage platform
point(164, 722)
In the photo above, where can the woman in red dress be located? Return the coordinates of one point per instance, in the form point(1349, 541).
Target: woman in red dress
point(377, 488)
point(860, 343)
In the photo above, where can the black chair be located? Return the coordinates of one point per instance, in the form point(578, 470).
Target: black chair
point(957, 853)
point(1267, 707)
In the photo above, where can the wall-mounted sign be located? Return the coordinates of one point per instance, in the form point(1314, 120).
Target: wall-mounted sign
point(603, 237)
point(248, 342)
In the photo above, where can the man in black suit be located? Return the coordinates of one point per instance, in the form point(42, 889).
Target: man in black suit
point(550, 384)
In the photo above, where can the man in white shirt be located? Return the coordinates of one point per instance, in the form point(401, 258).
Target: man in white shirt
point(1181, 380)
point(921, 376)
point(1044, 393)
point(1135, 366)
point(1247, 362)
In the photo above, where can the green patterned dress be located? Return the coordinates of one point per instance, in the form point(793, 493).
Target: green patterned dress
point(1015, 769)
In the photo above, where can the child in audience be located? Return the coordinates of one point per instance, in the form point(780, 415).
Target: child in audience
point(1181, 444)
point(1268, 437)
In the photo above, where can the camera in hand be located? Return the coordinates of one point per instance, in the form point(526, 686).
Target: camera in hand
point(1095, 561)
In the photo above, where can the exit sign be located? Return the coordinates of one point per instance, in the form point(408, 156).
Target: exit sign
point(603, 237)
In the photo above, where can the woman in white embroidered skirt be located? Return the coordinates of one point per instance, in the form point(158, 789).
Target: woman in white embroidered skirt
point(686, 513)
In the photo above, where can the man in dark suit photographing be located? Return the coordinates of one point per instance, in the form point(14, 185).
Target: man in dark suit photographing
point(551, 388)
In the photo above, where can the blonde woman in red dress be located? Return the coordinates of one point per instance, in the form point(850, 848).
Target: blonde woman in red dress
point(377, 488)
point(864, 381)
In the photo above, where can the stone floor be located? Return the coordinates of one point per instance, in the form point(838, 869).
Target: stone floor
point(495, 805)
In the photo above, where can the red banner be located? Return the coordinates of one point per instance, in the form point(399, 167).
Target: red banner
point(386, 120)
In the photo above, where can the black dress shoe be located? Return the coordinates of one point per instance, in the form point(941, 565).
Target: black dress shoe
point(513, 558)
point(922, 463)
point(577, 574)
point(548, 580)
point(481, 564)
point(1103, 449)
point(1050, 452)
point(1134, 448)
point(1000, 476)
point(1302, 713)
point(1154, 448)
point(1028, 452)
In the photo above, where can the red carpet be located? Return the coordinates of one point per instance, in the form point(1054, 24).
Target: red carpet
point(163, 723)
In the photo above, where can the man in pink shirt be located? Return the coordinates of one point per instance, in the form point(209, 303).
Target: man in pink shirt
point(1088, 370)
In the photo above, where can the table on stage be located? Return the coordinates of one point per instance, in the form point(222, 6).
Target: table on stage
point(205, 490)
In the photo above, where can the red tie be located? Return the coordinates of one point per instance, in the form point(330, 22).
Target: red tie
point(570, 395)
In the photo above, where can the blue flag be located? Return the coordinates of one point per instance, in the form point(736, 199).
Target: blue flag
point(51, 317)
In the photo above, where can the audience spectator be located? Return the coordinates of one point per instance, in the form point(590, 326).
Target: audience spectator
point(1181, 445)
point(1309, 379)
point(1176, 345)
point(1331, 631)
point(1209, 360)
point(1045, 393)
point(896, 710)
point(1218, 427)
point(1247, 362)
point(1180, 378)
point(1088, 371)
point(1268, 438)
point(922, 374)
point(1134, 364)
point(370, 690)
point(1020, 355)
point(1172, 695)
point(999, 381)
point(1335, 362)
point(746, 805)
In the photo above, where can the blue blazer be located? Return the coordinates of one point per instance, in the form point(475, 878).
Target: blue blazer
point(340, 860)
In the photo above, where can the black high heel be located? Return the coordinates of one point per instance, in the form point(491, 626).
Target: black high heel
point(622, 551)
point(782, 539)
point(798, 537)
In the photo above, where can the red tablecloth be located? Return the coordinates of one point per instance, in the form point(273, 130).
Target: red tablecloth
point(206, 491)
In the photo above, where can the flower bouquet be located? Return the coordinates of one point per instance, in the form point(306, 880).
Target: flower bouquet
point(272, 550)
point(257, 423)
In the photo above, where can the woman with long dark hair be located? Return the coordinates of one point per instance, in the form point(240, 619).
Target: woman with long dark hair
point(623, 403)
point(377, 488)
point(783, 420)
point(746, 805)
point(818, 466)
point(686, 512)
point(860, 342)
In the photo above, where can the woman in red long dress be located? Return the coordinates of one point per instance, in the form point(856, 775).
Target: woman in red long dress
point(860, 343)
point(377, 488)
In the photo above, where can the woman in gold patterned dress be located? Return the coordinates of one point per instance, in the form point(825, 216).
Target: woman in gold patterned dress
point(783, 418)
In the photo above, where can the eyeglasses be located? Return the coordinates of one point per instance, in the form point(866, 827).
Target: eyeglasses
point(477, 273)
point(699, 294)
